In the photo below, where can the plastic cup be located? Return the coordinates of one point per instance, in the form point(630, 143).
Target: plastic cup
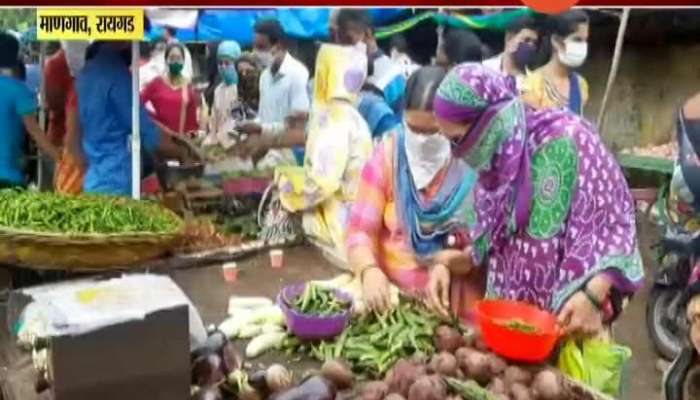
point(230, 271)
point(276, 258)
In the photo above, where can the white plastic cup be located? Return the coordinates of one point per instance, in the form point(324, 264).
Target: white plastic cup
point(276, 258)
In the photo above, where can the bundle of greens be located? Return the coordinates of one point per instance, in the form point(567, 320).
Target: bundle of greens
point(87, 214)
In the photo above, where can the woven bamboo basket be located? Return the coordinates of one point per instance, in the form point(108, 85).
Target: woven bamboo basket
point(83, 252)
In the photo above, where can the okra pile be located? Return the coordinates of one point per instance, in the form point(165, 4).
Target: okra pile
point(320, 301)
point(373, 343)
point(88, 214)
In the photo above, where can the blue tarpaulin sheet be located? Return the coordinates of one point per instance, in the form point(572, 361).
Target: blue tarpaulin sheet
point(300, 23)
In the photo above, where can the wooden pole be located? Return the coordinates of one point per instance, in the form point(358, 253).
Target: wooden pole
point(615, 65)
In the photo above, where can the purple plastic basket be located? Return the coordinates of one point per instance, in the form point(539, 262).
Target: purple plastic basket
point(309, 327)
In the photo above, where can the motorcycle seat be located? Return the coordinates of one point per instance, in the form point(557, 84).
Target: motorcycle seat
point(686, 245)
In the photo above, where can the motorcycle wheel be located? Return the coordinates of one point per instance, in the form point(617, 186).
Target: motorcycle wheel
point(665, 322)
point(691, 385)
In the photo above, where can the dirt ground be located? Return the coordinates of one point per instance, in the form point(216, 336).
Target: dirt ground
point(209, 293)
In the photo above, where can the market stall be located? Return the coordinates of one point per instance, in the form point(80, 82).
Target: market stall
point(299, 317)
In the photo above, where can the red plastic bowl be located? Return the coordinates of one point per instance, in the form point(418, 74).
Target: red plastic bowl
point(512, 344)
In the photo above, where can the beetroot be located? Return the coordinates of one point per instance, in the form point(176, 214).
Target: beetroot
point(480, 345)
point(337, 372)
point(444, 364)
point(448, 339)
point(497, 386)
point(513, 375)
point(376, 390)
point(474, 364)
point(548, 386)
point(403, 375)
point(520, 392)
point(496, 364)
point(428, 387)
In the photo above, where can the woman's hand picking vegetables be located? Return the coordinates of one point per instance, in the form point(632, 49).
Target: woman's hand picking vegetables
point(582, 314)
point(438, 295)
point(375, 290)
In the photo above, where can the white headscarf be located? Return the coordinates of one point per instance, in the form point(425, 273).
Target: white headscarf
point(427, 155)
point(75, 54)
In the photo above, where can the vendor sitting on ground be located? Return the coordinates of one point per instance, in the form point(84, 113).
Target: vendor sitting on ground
point(551, 217)
point(339, 143)
point(412, 193)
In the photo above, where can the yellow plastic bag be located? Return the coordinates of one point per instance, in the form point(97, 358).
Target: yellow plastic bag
point(600, 364)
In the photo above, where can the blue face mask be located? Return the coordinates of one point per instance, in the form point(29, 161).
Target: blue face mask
point(229, 74)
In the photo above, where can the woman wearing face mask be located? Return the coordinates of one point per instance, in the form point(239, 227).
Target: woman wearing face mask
point(413, 194)
point(551, 217)
point(557, 84)
point(337, 147)
point(226, 93)
point(171, 96)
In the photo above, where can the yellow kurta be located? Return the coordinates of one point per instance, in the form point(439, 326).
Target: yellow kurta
point(337, 147)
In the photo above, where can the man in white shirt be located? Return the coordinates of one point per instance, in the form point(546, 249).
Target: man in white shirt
point(284, 97)
point(520, 50)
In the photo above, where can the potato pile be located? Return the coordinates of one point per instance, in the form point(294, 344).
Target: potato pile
point(463, 368)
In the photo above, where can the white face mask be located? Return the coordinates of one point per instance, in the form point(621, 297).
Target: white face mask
point(574, 54)
point(266, 58)
point(427, 155)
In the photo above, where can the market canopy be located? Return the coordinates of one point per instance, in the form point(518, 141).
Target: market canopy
point(313, 23)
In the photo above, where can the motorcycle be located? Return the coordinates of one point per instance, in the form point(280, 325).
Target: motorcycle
point(665, 314)
point(682, 379)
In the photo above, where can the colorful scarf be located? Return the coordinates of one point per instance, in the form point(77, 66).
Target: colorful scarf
point(428, 223)
point(491, 101)
point(551, 208)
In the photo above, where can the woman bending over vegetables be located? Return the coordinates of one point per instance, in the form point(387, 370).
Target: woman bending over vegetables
point(412, 196)
point(551, 217)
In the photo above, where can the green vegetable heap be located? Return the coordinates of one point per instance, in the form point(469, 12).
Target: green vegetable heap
point(320, 301)
point(520, 326)
point(89, 214)
point(372, 343)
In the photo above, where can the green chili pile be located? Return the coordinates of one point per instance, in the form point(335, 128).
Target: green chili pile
point(320, 301)
point(88, 214)
point(372, 343)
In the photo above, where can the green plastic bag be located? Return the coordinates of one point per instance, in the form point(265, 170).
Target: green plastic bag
point(599, 364)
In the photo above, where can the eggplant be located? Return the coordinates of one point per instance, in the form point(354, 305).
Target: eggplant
point(208, 393)
point(207, 370)
point(232, 360)
point(258, 381)
point(312, 388)
point(213, 345)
